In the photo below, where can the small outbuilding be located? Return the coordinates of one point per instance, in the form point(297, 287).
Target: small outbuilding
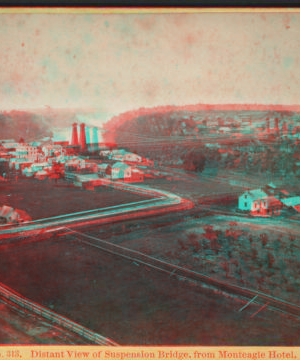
point(292, 202)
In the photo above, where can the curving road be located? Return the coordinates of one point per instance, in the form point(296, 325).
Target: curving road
point(161, 202)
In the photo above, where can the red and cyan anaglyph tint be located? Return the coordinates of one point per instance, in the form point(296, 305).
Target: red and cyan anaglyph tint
point(149, 178)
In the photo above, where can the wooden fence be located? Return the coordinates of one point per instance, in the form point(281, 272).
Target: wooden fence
point(34, 308)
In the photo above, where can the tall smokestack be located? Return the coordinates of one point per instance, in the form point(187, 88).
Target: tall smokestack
point(82, 137)
point(277, 125)
point(268, 124)
point(284, 128)
point(74, 140)
point(290, 129)
point(87, 136)
point(95, 139)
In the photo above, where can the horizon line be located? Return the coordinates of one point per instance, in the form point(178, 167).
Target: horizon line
point(45, 107)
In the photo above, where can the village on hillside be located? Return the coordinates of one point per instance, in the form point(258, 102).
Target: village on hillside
point(49, 161)
point(83, 161)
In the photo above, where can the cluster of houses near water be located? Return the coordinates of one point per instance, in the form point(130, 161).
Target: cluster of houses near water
point(268, 201)
point(52, 160)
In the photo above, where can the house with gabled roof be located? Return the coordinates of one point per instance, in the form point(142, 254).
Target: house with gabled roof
point(126, 172)
point(266, 206)
point(247, 199)
point(260, 202)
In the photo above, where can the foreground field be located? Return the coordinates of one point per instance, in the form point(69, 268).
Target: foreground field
point(43, 199)
point(22, 328)
point(134, 305)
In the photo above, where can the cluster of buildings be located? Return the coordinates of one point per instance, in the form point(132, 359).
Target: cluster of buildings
point(268, 201)
point(52, 160)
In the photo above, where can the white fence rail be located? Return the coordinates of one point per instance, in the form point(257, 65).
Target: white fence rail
point(28, 305)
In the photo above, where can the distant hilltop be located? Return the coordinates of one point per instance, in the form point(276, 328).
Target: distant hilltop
point(179, 120)
point(117, 120)
point(239, 107)
point(36, 123)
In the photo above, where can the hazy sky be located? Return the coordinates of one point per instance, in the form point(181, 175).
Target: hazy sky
point(117, 62)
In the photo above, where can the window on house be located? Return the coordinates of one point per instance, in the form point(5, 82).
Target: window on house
point(245, 204)
point(245, 196)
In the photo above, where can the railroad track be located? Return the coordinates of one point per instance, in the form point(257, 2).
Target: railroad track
point(193, 277)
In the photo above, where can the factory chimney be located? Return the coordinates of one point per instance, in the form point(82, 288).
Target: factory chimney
point(87, 136)
point(82, 137)
point(95, 139)
point(268, 125)
point(277, 125)
point(74, 140)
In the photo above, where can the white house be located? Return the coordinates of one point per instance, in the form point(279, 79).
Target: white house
point(41, 174)
point(38, 166)
point(10, 145)
point(27, 172)
point(19, 163)
point(51, 150)
point(137, 175)
point(247, 199)
point(117, 157)
point(120, 170)
point(126, 172)
point(113, 152)
point(130, 157)
point(101, 169)
point(27, 151)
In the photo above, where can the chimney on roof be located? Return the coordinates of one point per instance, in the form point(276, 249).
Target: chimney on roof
point(82, 137)
point(74, 140)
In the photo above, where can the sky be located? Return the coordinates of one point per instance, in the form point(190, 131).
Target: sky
point(120, 62)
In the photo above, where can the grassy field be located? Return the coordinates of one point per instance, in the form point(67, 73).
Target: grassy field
point(193, 186)
point(132, 304)
point(43, 199)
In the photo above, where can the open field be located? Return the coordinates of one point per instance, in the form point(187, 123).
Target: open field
point(192, 186)
point(43, 199)
point(133, 304)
